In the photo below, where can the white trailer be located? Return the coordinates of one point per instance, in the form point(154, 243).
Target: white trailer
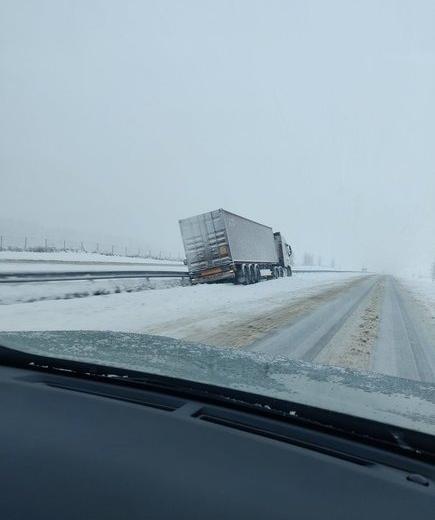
point(222, 246)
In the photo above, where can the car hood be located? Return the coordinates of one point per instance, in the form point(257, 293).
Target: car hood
point(401, 402)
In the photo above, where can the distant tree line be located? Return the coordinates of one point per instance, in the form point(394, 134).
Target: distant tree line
point(312, 260)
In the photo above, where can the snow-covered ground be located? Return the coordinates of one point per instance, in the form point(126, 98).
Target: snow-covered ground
point(26, 261)
point(48, 267)
point(31, 292)
point(69, 256)
point(423, 289)
point(315, 268)
point(197, 312)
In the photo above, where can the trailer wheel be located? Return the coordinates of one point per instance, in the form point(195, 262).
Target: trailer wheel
point(257, 273)
point(253, 274)
point(246, 275)
point(289, 271)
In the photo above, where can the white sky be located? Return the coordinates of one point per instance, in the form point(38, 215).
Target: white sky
point(317, 118)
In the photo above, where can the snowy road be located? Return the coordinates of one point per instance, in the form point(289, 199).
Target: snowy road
point(368, 322)
point(404, 347)
point(373, 325)
point(306, 336)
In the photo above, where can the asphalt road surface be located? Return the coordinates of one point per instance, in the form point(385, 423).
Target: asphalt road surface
point(373, 325)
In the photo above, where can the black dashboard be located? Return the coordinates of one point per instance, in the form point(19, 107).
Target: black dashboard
point(73, 448)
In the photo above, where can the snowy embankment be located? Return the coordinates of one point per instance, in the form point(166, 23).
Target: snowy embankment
point(314, 268)
point(29, 262)
point(26, 261)
point(198, 313)
point(68, 256)
point(11, 293)
point(423, 289)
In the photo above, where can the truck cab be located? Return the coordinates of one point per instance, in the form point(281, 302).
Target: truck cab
point(284, 252)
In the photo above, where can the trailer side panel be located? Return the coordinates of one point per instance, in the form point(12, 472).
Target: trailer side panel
point(249, 241)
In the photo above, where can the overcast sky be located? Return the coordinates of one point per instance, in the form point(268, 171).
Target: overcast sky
point(317, 118)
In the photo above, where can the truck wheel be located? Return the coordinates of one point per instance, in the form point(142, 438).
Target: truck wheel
point(247, 275)
point(281, 272)
point(253, 273)
point(238, 279)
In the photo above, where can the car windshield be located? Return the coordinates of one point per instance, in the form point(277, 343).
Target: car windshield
point(239, 194)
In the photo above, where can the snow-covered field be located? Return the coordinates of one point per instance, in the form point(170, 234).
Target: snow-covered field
point(43, 267)
point(68, 256)
point(195, 313)
point(26, 261)
point(423, 290)
point(31, 292)
point(314, 268)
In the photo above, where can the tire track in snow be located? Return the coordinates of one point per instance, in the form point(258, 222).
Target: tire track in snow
point(306, 337)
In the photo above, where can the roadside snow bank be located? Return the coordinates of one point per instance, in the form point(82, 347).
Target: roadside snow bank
point(67, 256)
point(39, 291)
point(423, 289)
point(60, 267)
point(178, 312)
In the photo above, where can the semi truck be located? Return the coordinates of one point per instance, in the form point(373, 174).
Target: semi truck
point(221, 246)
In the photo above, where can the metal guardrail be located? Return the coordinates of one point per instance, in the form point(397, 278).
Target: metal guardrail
point(63, 276)
point(86, 275)
point(296, 270)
